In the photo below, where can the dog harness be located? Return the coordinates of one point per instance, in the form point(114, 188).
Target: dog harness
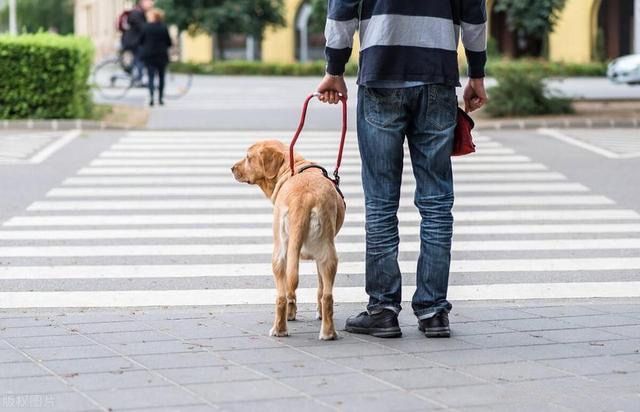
point(336, 181)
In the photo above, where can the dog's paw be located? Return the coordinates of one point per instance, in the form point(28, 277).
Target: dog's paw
point(329, 336)
point(278, 333)
point(291, 316)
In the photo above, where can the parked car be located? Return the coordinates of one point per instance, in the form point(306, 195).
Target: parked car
point(625, 69)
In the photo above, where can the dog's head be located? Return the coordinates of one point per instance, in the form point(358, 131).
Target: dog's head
point(262, 162)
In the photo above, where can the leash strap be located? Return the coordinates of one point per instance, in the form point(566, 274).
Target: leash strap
point(301, 126)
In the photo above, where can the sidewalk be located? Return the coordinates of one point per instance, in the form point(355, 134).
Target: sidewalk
point(529, 355)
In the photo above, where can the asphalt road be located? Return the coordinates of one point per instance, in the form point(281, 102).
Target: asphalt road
point(273, 103)
point(155, 218)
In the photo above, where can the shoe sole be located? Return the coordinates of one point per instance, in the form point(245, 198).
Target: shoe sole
point(377, 332)
point(441, 332)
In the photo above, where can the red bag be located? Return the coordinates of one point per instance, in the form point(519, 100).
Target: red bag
point(462, 140)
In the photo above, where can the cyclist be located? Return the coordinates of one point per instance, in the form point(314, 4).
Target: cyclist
point(131, 37)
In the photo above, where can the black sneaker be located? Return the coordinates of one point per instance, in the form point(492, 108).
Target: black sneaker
point(381, 325)
point(436, 326)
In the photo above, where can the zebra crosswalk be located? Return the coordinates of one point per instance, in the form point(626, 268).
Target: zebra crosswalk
point(32, 147)
point(158, 220)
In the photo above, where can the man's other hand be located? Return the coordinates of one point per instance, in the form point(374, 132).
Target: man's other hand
point(474, 95)
point(331, 88)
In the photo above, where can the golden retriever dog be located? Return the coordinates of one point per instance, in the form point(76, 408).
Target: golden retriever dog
point(308, 212)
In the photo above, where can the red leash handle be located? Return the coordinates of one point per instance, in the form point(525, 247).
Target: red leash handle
point(343, 136)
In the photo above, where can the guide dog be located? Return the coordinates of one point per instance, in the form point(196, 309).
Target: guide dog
point(307, 215)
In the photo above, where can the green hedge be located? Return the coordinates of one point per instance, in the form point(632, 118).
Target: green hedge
point(316, 68)
point(44, 76)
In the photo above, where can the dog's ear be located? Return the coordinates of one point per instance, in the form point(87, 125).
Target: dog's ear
point(272, 160)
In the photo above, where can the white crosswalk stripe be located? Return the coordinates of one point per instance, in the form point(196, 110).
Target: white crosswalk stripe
point(162, 209)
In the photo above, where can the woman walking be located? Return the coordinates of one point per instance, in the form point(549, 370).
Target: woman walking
point(155, 45)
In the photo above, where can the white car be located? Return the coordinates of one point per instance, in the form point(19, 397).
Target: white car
point(625, 69)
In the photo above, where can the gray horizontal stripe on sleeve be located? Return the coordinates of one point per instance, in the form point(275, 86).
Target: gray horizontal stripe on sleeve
point(339, 34)
point(413, 31)
point(474, 36)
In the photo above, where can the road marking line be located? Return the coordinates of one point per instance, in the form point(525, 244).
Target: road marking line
point(130, 298)
point(578, 143)
point(204, 219)
point(211, 180)
point(54, 147)
point(342, 247)
point(325, 154)
point(225, 204)
point(267, 232)
point(306, 269)
point(226, 171)
point(241, 190)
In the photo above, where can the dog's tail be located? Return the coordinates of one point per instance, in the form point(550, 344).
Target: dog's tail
point(299, 220)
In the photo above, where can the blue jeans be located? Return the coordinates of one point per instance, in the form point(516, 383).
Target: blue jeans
point(426, 115)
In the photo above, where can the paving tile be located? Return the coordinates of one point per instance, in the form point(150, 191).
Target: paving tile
point(130, 337)
point(67, 402)
point(488, 314)
point(471, 356)
point(203, 407)
point(476, 328)
point(577, 335)
point(384, 362)
point(622, 308)
point(536, 324)
point(209, 374)
point(88, 365)
point(550, 351)
point(123, 379)
point(602, 320)
point(39, 330)
point(422, 344)
point(463, 396)
point(40, 384)
point(243, 391)
point(50, 341)
point(562, 311)
point(20, 370)
point(303, 339)
point(179, 360)
point(512, 372)
point(154, 347)
point(382, 401)
point(91, 317)
point(426, 378)
point(69, 352)
point(109, 327)
point(305, 367)
point(11, 355)
point(620, 381)
point(249, 356)
point(634, 357)
point(506, 339)
point(630, 331)
point(334, 384)
point(24, 321)
point(197, 328)
point(157, 396)
point(237, 342)
point(275, 405)
point(593, 365)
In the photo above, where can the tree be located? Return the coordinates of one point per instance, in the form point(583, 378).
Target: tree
point(318, 15)
point(225, 17)
point(531, 21)
point(35, 15)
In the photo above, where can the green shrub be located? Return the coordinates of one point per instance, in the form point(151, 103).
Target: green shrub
point(522, 92)
point(242, 67)
point(44, 76)
point(548, 68)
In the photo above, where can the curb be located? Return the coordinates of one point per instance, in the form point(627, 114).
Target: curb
point(525, 124)
point(55, 124)
point(561, 123)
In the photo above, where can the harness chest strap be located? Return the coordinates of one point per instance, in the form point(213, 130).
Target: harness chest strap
point(336, 182)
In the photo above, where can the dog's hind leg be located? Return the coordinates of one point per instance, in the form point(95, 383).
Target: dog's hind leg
point(279, 273)
point(327, 268)
point(298, 226)
point(320, 287)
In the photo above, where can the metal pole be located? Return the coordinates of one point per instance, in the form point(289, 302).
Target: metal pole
point(636, 27)
point(13, 23)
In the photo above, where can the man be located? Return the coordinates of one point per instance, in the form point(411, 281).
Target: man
point(407, 78)
point(132, 37)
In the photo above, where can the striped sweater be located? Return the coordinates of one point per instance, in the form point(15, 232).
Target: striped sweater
point(407, 40)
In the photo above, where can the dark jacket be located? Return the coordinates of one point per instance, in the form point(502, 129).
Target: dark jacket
point(136, 20)
point(407, 40)
point(155, 44)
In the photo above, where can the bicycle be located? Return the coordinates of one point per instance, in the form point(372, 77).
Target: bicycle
point(113, 77)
